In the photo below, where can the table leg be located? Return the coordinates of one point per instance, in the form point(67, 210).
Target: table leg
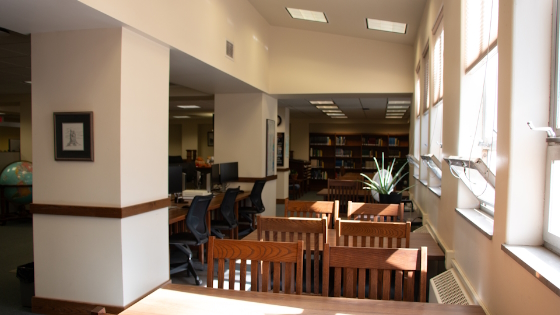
point(236, 232)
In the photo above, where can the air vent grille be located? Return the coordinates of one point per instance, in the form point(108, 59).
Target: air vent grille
point(229, 49)
point(448, 290)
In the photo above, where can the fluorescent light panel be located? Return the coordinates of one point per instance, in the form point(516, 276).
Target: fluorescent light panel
point(396, 111)
point(396, 117)
point(336, 114)
point(28, 82)
point(321, 102)
point(188, 106)
point(398, 106)
point(395, 102)
point(327, 107)
point(332, 111)
point(394, 114)
point(181, 116)
point(339, 117)
point(307, 15)
point(386, 26)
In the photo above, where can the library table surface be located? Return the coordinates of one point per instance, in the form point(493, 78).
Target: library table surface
point(187, 299)
point(417, 240)
point(361, 193)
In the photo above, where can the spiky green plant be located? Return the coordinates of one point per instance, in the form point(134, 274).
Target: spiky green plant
point(386, 183)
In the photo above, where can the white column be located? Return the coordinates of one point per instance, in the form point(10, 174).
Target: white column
point(122, 78)
point(240, 136)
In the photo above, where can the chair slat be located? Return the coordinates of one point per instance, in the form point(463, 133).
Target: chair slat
point(231, 274)
point(337, 276)
point(265, 276)
point(348, 282)
point(362, 284)
point(289, 271)
point(410, 284)
point(276, 284)
point(308, 262)
point(255, 272)
point(398, 285)
point(373, 273)
point(242, 275)
point(220, 273)
point(317, 257)
point(386, 284)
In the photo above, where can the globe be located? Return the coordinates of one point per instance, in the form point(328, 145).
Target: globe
point(19, 174)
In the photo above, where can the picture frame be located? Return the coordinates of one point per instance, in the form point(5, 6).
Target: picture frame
point(270, 144)
point(210, 139)
point(73, 136)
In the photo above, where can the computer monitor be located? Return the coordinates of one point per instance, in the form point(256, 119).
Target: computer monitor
point(228, 172)
point(175, 178)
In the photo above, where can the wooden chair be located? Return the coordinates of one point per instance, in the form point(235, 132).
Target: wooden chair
point(379, 261)
point(343, 191)
point(365, 233)
point(312, 209)
point(304, 229)
point(257, 252)
point(377, 212)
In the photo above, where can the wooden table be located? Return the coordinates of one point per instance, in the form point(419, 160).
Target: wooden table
point(178, 214)
point(185, 299)
point(361, 193)
point(417, 240)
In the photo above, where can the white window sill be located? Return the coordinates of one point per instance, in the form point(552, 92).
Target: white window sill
point(539, 261)
point(436, 190)
point(479, 220)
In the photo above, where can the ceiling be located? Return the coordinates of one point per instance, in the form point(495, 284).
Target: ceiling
point(347, 17)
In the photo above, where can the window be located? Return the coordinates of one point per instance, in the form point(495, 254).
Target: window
point(426, 95)
point(551, 228)
point(417, 121)
point(437, 109)
point(481, 55)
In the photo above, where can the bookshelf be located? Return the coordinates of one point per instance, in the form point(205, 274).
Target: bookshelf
point(328, 153)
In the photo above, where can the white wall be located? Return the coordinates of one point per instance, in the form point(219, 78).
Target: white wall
point(240, 136)
point(311, 62)
point(25, 131)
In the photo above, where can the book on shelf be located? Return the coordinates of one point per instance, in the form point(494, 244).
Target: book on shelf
point(343, 153)
point(317, 174)
point(394, 154)
point(317, 163)
point(320, 140)
point(340, 140)
point(315, 152)
point(372, 141)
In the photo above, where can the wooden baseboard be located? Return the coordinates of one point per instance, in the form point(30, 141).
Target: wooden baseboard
point(41, 305)
point(280, 201)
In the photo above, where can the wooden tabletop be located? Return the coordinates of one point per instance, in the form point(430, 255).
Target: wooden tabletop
point(178, 213)
point(361, 193)
point(417, 240)
point(179, 299)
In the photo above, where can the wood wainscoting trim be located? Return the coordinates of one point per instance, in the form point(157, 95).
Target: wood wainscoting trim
point(279, 170)
point(254, 179)
point(99, 212)
point(52, 306)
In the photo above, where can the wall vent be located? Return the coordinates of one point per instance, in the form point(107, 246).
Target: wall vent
point(229, 49)
point(446, 288)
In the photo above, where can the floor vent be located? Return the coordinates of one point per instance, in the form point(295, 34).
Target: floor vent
point(422, 229)
point(229, 49)
point(446, 288)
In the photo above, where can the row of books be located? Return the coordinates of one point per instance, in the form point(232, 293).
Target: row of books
point(345, 163)
point(369, 153)
point(343, 153)
point(371, 141)
point(320, 141)
point(394, 153)
point(395, 142)
point(317, 174)
point(340, 140)
point(315, 152)
point(369, 165)
point(317, 163)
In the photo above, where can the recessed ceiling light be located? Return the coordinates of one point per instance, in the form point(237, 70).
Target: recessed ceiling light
point(28, 82)
point(327, 107)
point(188, 106)
point(332, 111)
point(386, 26)
point(397, 117)
point(398, 106)
point(181, 116)
point(321, 102)
point(307, 15)
point(394, 114)
point(394, 102)
point(336, 114)
point(396, 110)
point(2, 114)
point(339, 117)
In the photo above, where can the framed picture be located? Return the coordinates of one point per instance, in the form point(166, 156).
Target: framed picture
point(280, 149)
point(270, 143)
point(210, 138)
point(73, 136)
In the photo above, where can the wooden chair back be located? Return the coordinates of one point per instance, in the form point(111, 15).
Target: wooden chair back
point(372, 234)
point(376, 212)
point(257, 252)
point(380, 262)
point(312, 209)
point(313, 231)
point(343, 191)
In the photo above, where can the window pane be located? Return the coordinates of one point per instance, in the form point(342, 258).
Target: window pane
point(554, 206)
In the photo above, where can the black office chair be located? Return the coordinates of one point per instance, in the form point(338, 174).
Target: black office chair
point(227, 208)
point(196, 224)
point(256, 207)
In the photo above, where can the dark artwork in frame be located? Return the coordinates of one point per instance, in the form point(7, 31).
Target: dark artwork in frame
point(73, 136)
